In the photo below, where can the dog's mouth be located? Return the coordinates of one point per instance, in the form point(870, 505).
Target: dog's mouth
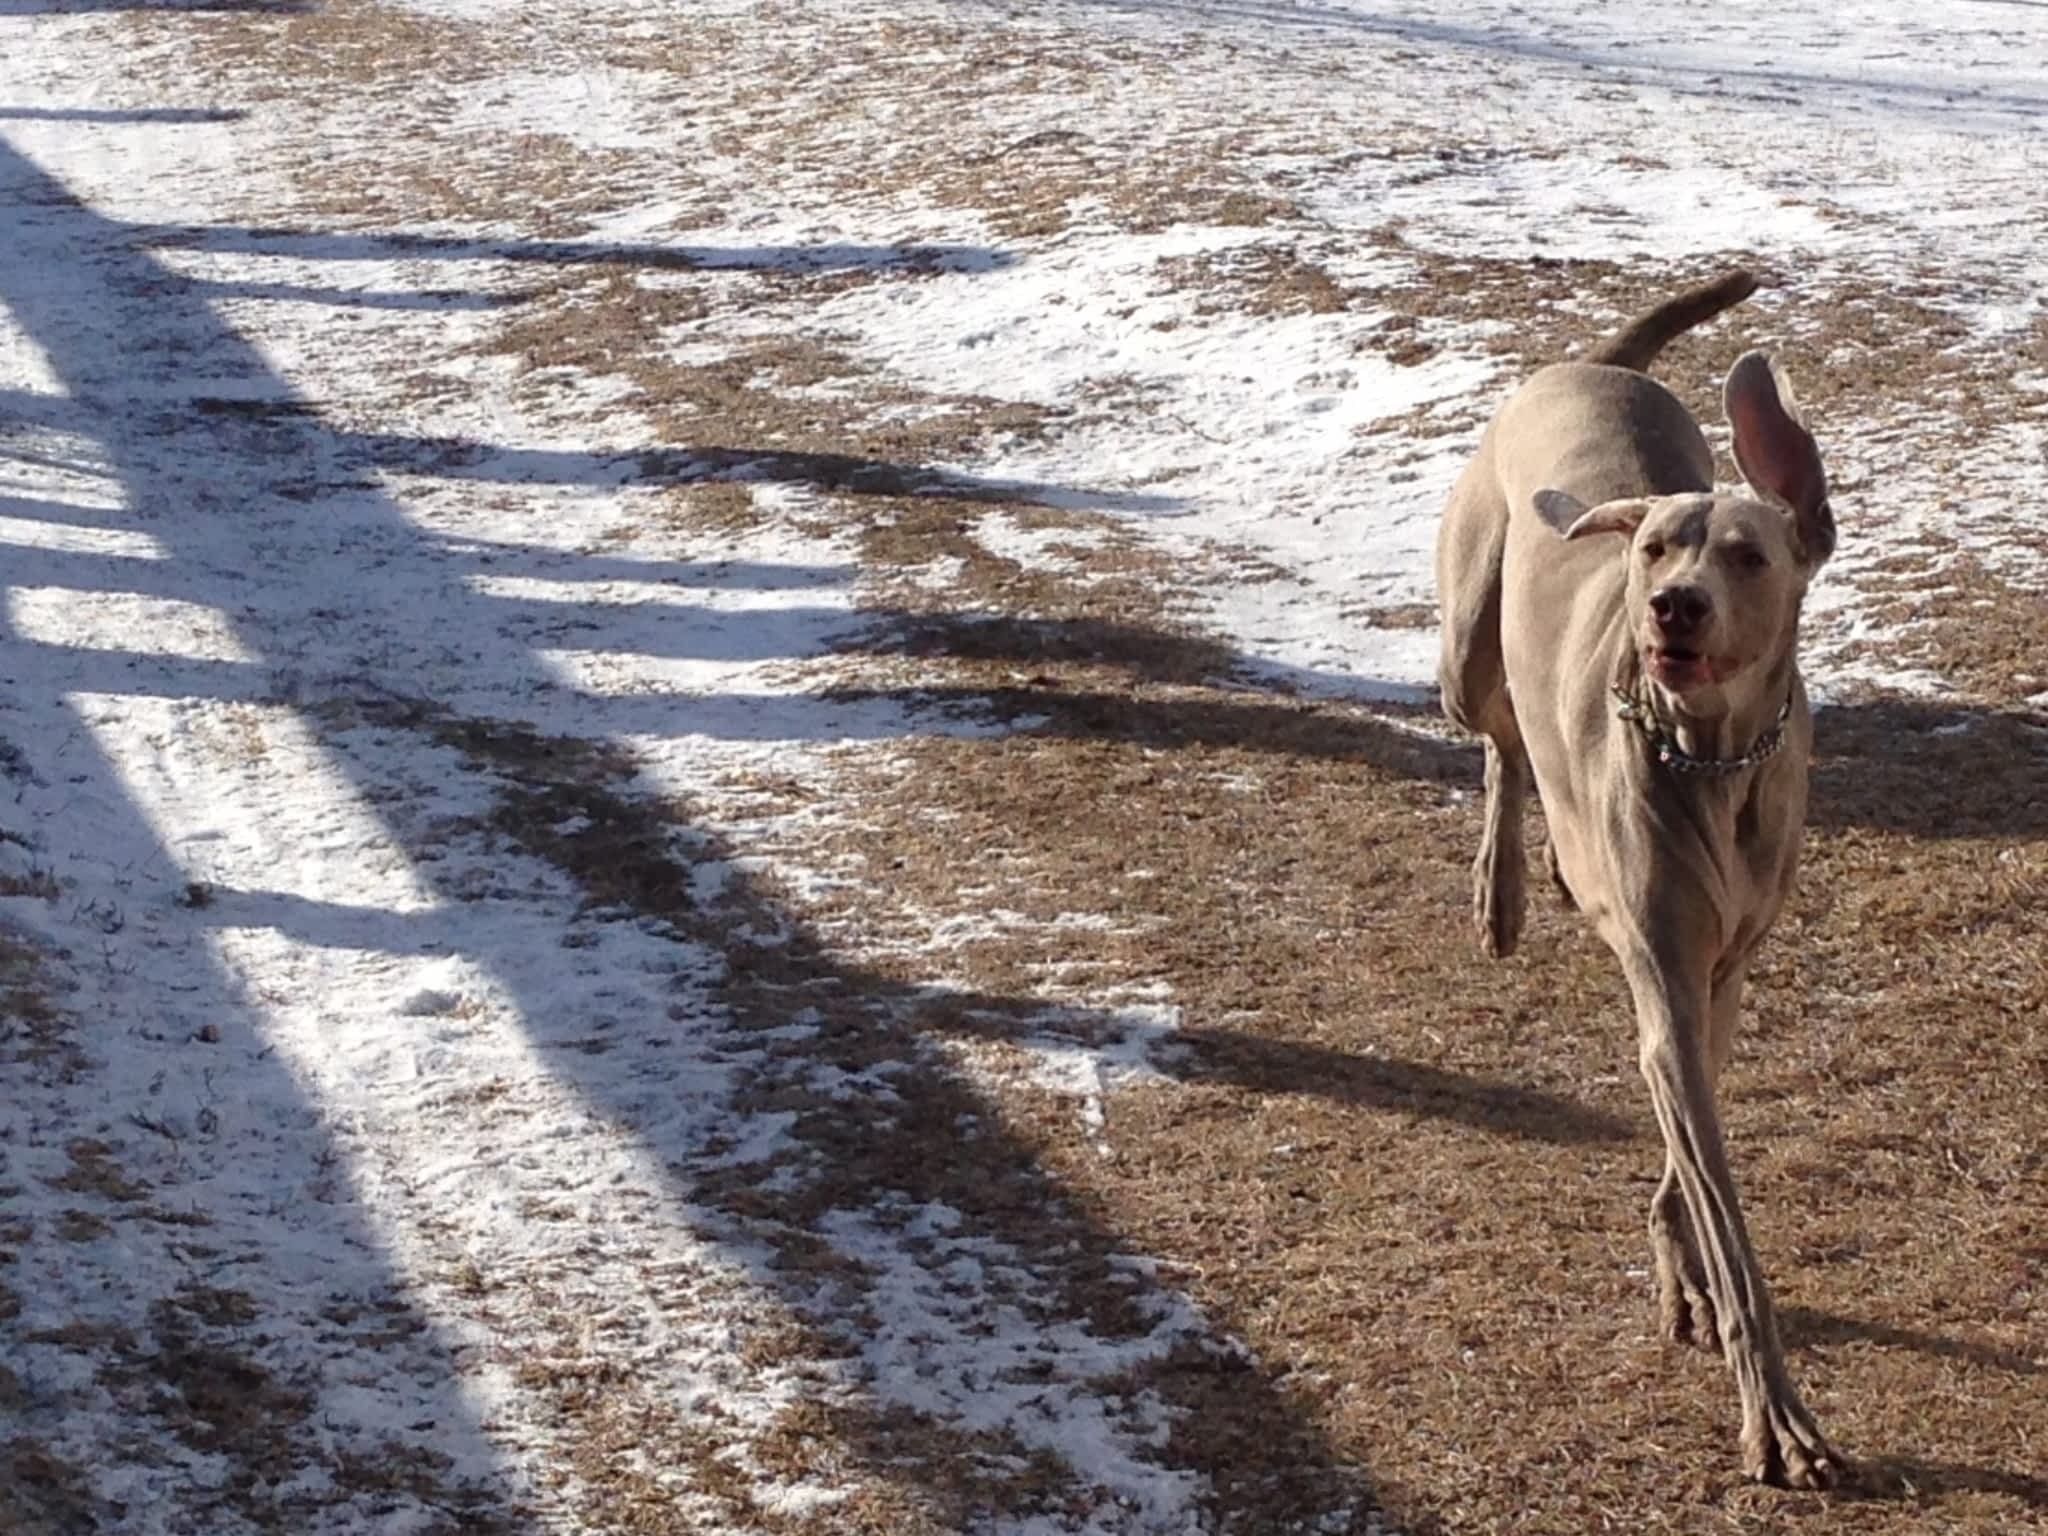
point(1681, 668)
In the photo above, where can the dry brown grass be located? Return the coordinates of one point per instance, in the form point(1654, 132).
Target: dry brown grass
point(1412, 1183)
point(76, 1226)
point(336, 45)
point(1866, 357)
point(740, 75)
point(945, 146)
point(1273, 279)
point(43, 1494)
point(898, 1137)
point(1954, 615)
point(418, 66)
point(194, 1371)
point(762, 398)
point(214, 1397)
point(36, 1034)
point(552, 186)
point(1405, 1176)
point(1395, 615)
point(39, 883)
point(1401, 1172)
point(94, 1171)
point(867, 443)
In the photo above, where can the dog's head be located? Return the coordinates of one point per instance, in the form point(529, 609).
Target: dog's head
point(1715, 580)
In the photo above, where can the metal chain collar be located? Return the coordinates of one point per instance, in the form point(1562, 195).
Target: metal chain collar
point(1676, 758)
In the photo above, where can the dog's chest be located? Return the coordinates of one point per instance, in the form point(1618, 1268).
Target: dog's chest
point(1712, 859)
point(1762, 853)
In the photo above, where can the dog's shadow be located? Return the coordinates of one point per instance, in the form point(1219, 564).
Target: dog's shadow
point(1907, 1479)
point(1804, 1325)
point(1901, 1479)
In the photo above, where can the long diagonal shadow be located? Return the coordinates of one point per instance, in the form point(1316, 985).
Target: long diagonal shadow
point(62, 7)
point(320, 245)
point(232, 1191)
point(257, 411)
point(116, 114)
point(905, 1133)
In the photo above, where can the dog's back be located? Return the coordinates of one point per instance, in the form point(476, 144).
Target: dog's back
point(1608, 430)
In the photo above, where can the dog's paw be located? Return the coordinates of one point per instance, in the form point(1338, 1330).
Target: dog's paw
point(1783, 1447)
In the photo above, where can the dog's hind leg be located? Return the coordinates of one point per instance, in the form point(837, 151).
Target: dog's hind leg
point(1564, 889)
point(1498, 874)
point(1469, 551)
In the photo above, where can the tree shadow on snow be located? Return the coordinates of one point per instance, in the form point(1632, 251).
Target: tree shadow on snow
point(879, 1129)
point(202, 7)
point(913, 258)
point(115, 115)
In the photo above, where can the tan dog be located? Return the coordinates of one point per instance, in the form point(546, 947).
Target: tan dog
point(1618, 627)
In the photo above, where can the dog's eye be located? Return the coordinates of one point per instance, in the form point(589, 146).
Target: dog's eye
point(1750, 558)
point(1653, 549)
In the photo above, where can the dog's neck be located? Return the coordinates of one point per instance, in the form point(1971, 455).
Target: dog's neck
point(1709, 739)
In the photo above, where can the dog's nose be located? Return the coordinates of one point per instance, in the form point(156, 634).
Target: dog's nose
point(1679, 608)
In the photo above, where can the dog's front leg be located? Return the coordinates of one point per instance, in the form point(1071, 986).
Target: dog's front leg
point(1685, 1304)
point(1675, 1015)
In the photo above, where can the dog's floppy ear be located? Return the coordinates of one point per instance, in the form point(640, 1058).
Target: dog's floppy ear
point(1778, 455)
point(1573, 519)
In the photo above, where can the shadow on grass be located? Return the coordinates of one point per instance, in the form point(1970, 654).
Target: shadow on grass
point(1807, 1325)
point(1905, 1479)
point(912, 258)
point(1931, 770)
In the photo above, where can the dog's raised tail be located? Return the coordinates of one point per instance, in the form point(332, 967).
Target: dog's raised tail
point(1639, 343)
